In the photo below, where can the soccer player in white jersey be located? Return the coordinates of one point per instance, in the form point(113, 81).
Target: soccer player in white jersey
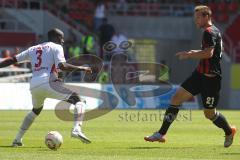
point(45, 59)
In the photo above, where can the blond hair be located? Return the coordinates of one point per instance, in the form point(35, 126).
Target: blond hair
point(205, 10)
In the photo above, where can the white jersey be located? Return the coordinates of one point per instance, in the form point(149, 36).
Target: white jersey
point(44, 59)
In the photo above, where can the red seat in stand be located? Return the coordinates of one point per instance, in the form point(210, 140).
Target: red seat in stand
point(233, 7)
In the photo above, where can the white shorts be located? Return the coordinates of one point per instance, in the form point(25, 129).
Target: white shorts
point(42, 91)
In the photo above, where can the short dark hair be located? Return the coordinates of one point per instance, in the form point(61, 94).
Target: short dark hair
point(54, 33)
point(205, 10)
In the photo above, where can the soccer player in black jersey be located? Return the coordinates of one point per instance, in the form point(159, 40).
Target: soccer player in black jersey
point(205, 80)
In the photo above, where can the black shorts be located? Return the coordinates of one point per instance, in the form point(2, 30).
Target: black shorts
point(208, 87)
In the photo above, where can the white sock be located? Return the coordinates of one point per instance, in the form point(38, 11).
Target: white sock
point(28, 120)
point(79, 110)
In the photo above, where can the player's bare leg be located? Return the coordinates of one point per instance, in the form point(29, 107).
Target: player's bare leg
point(27, 122)
point(220, 121)
point(181, 96)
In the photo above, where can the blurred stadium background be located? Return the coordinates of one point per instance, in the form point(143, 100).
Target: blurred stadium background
point(157, 28)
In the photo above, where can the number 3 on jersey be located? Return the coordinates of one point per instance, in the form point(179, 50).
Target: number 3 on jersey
point(39, 58)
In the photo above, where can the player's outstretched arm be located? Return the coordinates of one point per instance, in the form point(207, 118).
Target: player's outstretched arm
point(196, 54)
point(69, 67)
point(8, 62)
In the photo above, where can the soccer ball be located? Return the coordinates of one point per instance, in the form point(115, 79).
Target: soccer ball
point(53, 140)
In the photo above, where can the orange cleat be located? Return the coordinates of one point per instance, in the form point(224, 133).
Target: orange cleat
point(229, 138)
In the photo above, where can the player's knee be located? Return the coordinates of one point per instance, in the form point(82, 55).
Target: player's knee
point(209, 114)
point(73, 99)
point(37, 111)
point(176, 100)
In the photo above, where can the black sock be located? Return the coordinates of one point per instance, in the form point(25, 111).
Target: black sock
point(169, 117)
point(220, 121)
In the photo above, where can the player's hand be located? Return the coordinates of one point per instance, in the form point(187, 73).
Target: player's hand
point(88, 69)
point(183, 55)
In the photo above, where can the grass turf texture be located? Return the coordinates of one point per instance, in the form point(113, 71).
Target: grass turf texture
point(119, 135)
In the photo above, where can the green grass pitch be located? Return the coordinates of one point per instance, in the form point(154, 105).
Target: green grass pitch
point(119, 135)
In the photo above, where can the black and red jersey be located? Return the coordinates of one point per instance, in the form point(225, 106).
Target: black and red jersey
point(211, 38)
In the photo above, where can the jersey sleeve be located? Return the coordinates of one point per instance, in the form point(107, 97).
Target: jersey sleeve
point(59, 55)
point(209, 39)
point(23, 56)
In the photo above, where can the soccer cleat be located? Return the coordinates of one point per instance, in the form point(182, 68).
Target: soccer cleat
point(17, 143)
point(156, 137)
point(229, 138)
point(79, 135)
